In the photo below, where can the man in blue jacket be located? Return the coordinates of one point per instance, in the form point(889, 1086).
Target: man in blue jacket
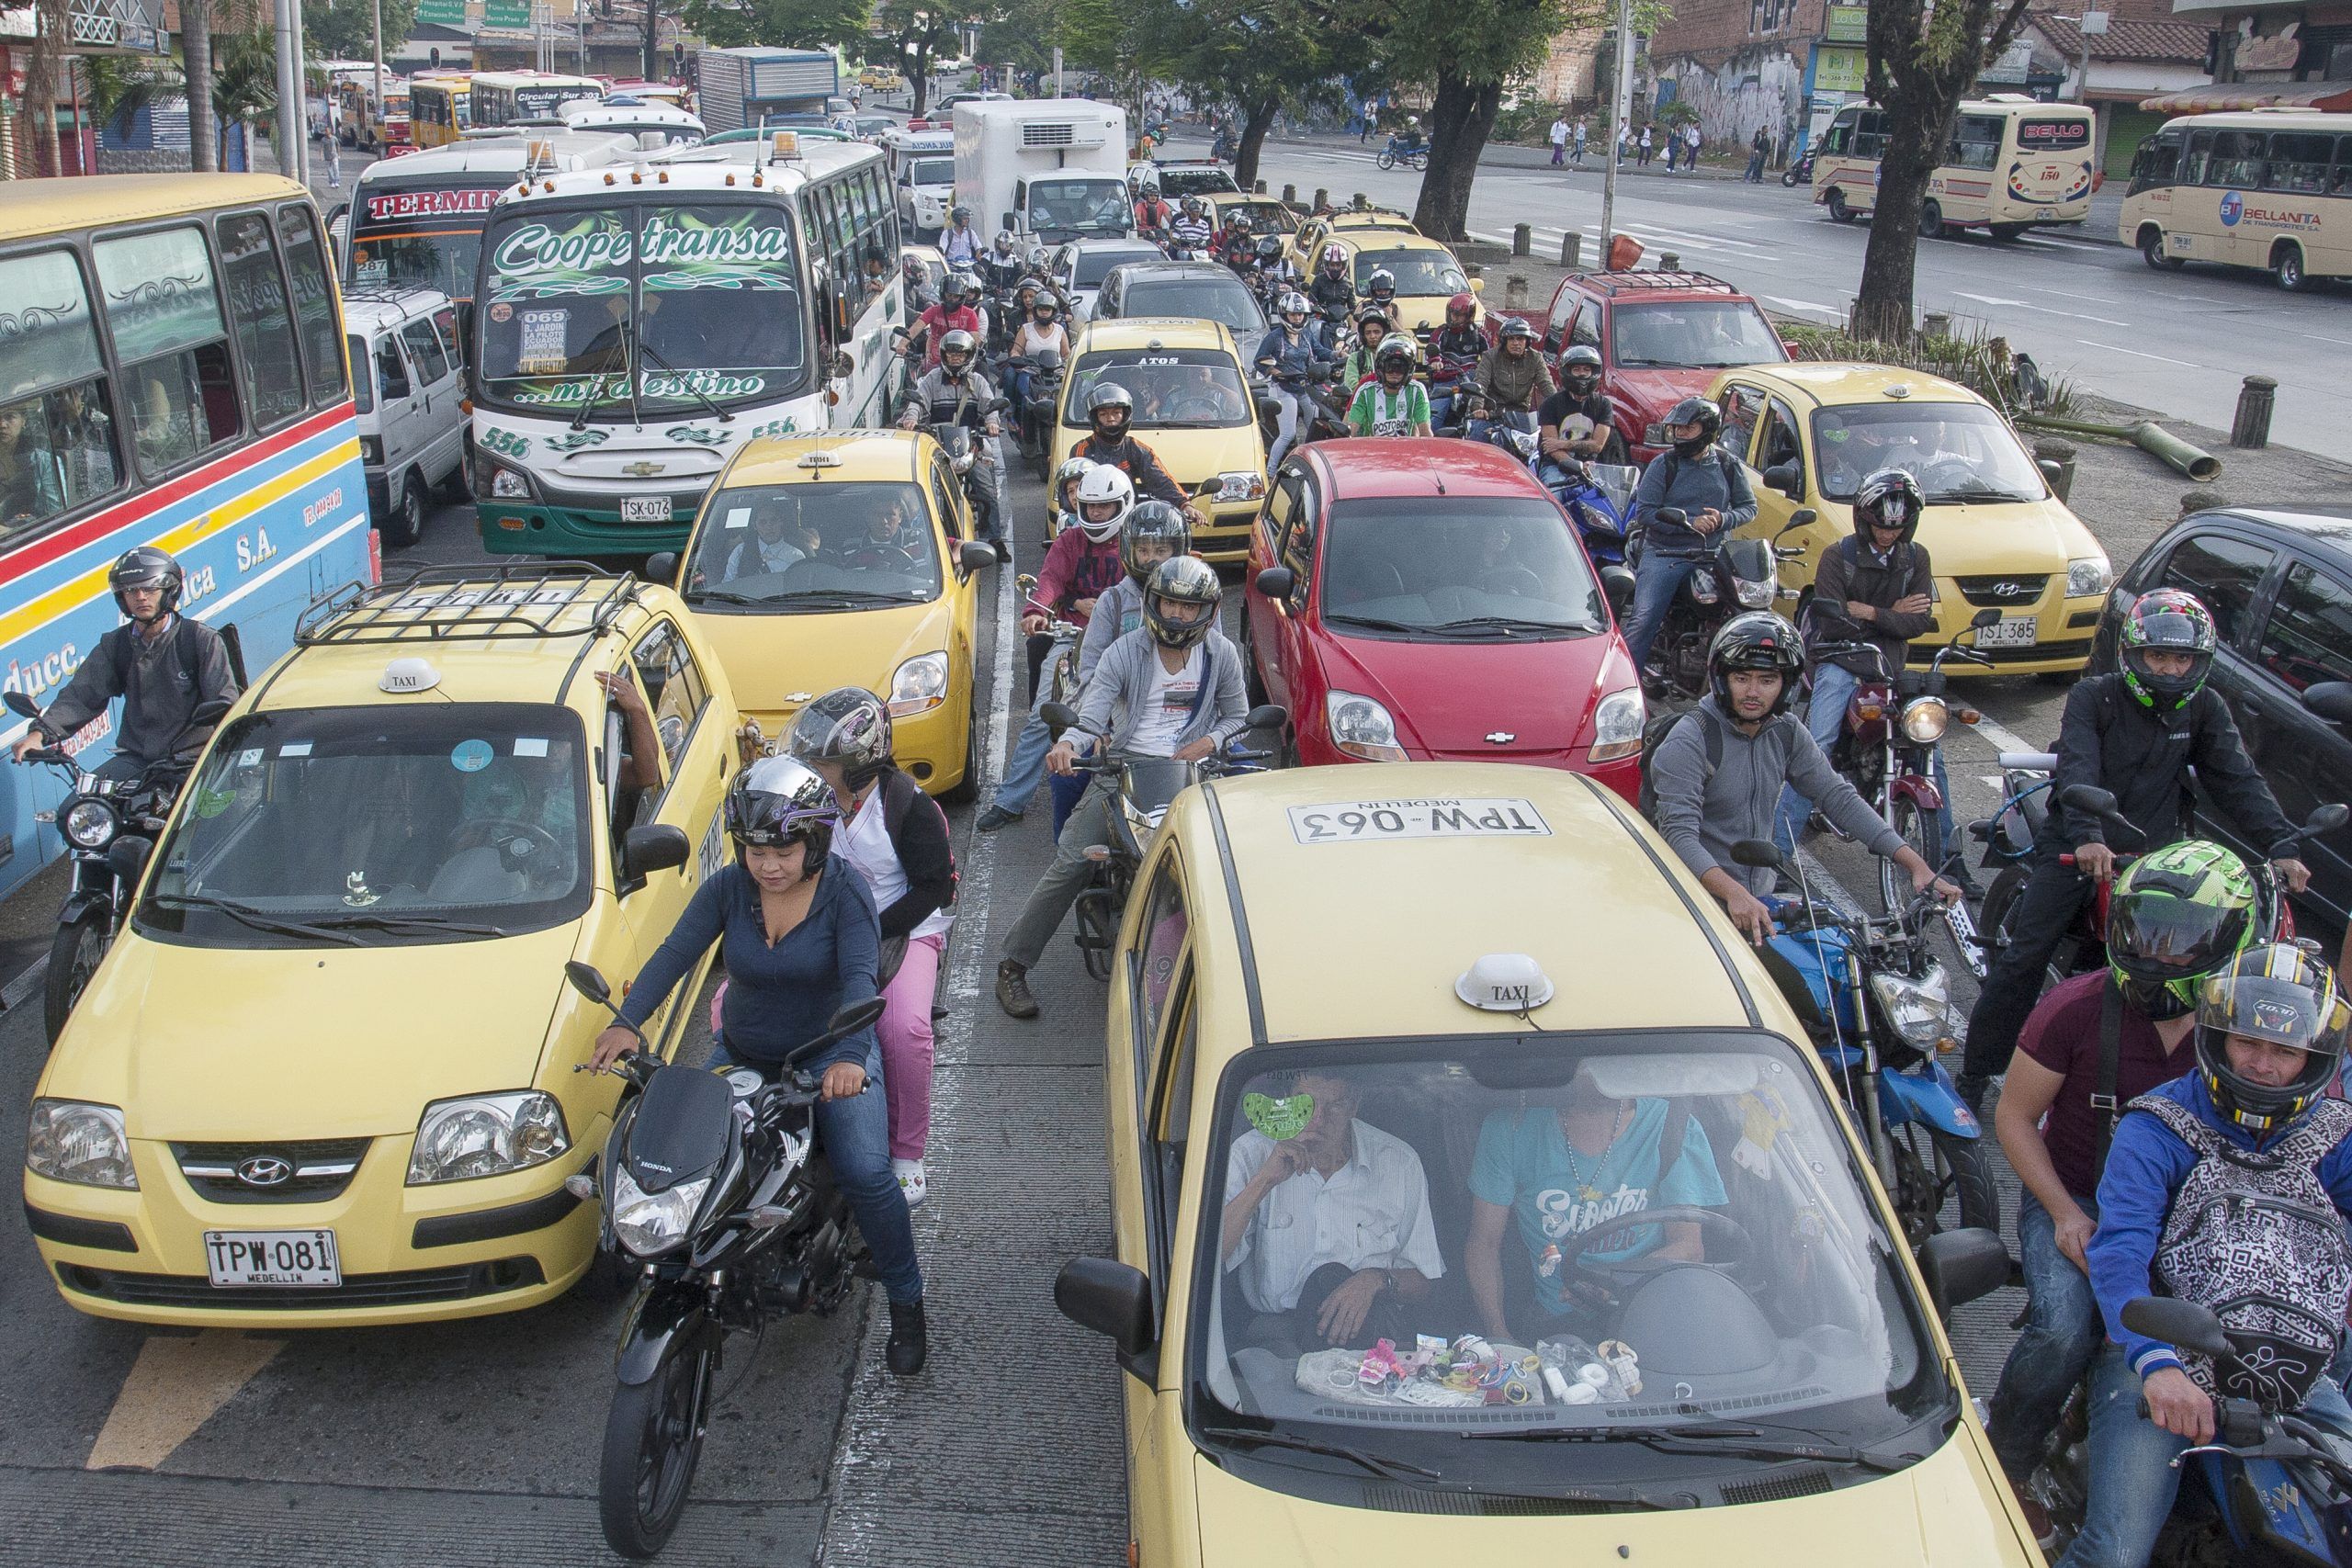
point(2183, 1213)
point(1706, 484)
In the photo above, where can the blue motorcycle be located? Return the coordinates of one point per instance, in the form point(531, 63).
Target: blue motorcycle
point(1878, 1007)
point(1598, 498)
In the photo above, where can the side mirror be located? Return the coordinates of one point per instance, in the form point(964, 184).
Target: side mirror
point(1758, 853)
point(206, 714)
point(1026, 581)
point(1061, 716)
point(2332, 700)
point(127, 858)
point(972, 556)
point(656, 848)
point(1617, 585)
point(1962, 1264)
point(1275, 583)
point(1478, 286)
point(2089, 798)
point(662, 568)
point(2327, 819)
point(1008, 219)
point(589, 981)
point(856, 1016)
point(2185, 1324)
point(23, 705)
point(1782, 477)
point(1112, 1299)
point(1982, 618)
point(1269, 408)
point(1266, 715)
point(1672, 515)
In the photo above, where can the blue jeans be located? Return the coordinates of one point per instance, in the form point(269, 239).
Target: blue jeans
point(856, 1136)
point(2062, 1332)
point(1655, 586)
point(1833, 688)
point(1027, 769)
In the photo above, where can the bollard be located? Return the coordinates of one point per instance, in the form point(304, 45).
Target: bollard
point(2256, 398)
point(1936, 324)
point(1522, 239)
point(1515, 291)
point(1669, 261)
point(2056, 461)
point(1322, 198)
point(1289, 195)
point(1571, 244)
point(1259, 188)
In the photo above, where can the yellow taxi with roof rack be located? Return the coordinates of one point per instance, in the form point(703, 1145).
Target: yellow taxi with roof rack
point(822, 561)
point(324, 1075)
point(1427, 274)
point(1446, 1232)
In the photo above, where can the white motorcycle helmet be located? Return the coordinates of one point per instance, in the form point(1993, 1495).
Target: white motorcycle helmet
point(1105, 486)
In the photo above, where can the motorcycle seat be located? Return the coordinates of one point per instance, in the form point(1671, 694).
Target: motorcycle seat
point(2031, 762)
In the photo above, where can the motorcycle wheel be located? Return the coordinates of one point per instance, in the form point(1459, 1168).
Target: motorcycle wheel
point(1421, 161)
point(1934, 1169)
point(1921, 830)
point(652, 1441)
point(1992, 922)
point(1386, 160)
point(73, 955)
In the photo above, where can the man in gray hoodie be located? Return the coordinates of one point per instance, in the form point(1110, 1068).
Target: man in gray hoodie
point(1717, 777)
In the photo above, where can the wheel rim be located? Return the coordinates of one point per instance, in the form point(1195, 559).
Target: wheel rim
point(664, 1458)
point(2291, 270)
point(1931, 221)
point(89, 948)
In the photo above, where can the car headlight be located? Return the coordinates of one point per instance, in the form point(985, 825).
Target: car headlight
point(920, 685)
point(1617, 725)
point(1924, 719)
point(1361, 727)
point(2090, 576)
point(371, 450)
point(89, 824)
point(486, 1135)
point(1755, 595)
point(1918, 1010)
point(70, 1140)
point(1241, 487)
point(649, 1224)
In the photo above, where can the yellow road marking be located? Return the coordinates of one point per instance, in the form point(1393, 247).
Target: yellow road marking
point(174, 1388)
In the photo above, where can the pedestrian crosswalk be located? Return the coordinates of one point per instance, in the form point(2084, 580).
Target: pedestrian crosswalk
point(1654, 240)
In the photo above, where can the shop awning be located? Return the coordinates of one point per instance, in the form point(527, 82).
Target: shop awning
point(2222, 98)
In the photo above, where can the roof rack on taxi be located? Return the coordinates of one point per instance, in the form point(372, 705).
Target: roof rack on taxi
point(1615, 282)
point(451, 604)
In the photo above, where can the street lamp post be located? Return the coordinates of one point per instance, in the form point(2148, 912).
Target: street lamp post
point(1621, 108)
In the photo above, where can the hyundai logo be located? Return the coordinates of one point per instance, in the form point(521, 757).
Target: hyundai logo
point(1500, 738)
point(264, 1170)
point(2010, 590)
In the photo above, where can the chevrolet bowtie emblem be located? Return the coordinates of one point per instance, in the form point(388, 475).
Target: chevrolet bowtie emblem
point(1500, 738)
point(643, 470)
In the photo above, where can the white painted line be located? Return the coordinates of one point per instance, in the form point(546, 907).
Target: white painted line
point(23, 985)
point(1831, 311)
point(2002, 738)
point(2165, 359)
point(978, 870)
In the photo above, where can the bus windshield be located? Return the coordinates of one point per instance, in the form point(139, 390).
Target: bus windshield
point(423, 236)
point(669, 304)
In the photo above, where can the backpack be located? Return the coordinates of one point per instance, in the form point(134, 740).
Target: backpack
point(899, 793)
point(1711, 731)
point(2256, 1237)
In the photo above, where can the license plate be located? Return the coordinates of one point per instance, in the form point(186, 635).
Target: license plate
point(645, 509)
point(1351, 821)
point(2010, 631)
point(298, 1258)
point(2045, 217)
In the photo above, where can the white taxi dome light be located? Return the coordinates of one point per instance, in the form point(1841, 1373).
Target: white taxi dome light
point(1504, 982)
point(404, 676)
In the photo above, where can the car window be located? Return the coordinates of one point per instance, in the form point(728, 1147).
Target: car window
point(2223, 573)
point(1586, 330)
point(1298, 545)
point(444, 321)
point(675, 687)
point(1780, 443)
point(2307, 637)
point(943, 495)
point(843, 545)
point(1171, 1127)
point(1152, 967)
point(1741, 405)
point(1280, 504)
point(424, 350)
point(392, 374)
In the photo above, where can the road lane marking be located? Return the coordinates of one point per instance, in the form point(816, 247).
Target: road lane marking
point(175, 1387)
point(1831, 311)
point(979, 861)
point(2030, 305)
point(2116, 348)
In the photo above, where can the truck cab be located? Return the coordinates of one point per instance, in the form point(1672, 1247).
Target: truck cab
point(1051, 170)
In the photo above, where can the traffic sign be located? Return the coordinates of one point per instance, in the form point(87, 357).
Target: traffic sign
point(447, 12)
point(506, 13)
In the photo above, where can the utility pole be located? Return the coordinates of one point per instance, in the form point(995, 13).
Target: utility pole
point(1057, 71)
point(292, 123)
point(379, 35)
point(1621, 110)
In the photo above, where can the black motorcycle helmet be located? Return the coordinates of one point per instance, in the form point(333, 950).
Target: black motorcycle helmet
point(1517, 331)
point(1110, 398)
point(848, 725)
point(1757, 639)
point(1153, 520)
point(779, 799)
point(1889, 497)
point(1369, 317)
point(1395, 352)
point(2281, 995)
point(1269, 247)
point(1706, 414)
point(1580, 369)
point(1180, 602)
point(147, 567)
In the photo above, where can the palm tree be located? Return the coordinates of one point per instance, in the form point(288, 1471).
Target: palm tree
point(244, 78)
point(196, 48)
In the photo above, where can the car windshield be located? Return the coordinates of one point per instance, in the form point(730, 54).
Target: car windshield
point(1693, 335)
point(1094, 263)
point(1079, 207)
point(1959, 452)
point(1417, 272)
point(1226, 300)
point(935, 171)
point(1673, 1222)
point(1174, 389)
point(1177, 184)
point(381, 824)
point(1465, 567)
point(823, 545)
point(443, 263)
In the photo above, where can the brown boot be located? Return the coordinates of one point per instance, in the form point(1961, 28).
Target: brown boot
point(1013, 989)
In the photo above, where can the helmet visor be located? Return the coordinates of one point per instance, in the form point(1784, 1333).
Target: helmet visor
point(769, 819)
point(2154, 936)
point(2171, 631)
point(1184, 614)
point(2279, 1010)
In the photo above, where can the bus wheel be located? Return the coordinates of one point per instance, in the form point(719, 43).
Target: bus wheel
point(2287, 267)
point(2151, 250)
point(1931, 221)
point(1837, 208)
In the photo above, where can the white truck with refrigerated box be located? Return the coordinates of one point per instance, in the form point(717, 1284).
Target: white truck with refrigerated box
point(1051, 170)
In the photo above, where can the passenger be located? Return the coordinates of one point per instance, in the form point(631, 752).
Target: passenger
point(29, 487)
point(779, 540)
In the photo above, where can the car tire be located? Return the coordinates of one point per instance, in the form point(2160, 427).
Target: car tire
point(2151, 250)
point(1839, 210)
point(405, 527)
point(1931, 221)
point(967, 789)
point(1253, 684)
point(2009, 231)
point(2286, 267)
point(75, 954)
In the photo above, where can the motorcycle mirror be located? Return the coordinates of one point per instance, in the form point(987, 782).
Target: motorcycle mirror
point(1618, 584)
point(1000, 405)
point(2182, 1323)
point(589, 981)
point(2089, 798)
point(1802, 517)
point(2327, 819)
point(1274, 715)
point(1758, 853)
point(1061, 716)
point(1672, 515)
point(854, 1016)
point(1025, 581)
point(2332, 700)
point(210, 713)
point(18, 702)
point(1982, 618)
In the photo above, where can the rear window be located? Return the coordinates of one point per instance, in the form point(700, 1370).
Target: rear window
point(2052, 134)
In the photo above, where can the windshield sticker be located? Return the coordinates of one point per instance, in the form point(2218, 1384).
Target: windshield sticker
point(737, 517)
point(249, 758)
point(1279, 1120)
point(717, 384)
point(210, 803)
point(471, 756)
point(542, 351)
point(294, 748)
point(748, 249)
point(1458, 817)
point(530, 746)
point(502, 312)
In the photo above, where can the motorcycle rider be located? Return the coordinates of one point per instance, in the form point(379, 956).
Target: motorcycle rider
point(1233, 245)
point(1042, 332)
point(1371, 326)
point(915, 278)
point(956, 392)
point(1721, 767)
point(1513, 378)
point(959, 311)
point(1189, 232)
point(1392, 402)
point(1380, 290)
point(1875, 587)
point(959, 248)
point(1004, 265)
point(1576, 423)
point(1109, 408)
point(1409, 138)
point(2136, 733)
point(1292, 362)
point(1155, 532)
point(161, 664)
point(1455, 349)
point(2182, 1210)
point(1152, 212)
point(1332, 292)
point(1276, 272)
point(1706, 482)
point(1170, 688)
point(1080, 565)
point(2096, 1042)
point(801, 935)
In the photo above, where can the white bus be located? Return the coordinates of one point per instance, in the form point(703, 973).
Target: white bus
point(634, 325)
point(2014, 164)
point(504, 97)
point(2270, 188)
point(923, 177)
point(652, 125)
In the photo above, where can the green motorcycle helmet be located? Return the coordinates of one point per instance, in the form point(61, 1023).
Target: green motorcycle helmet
point(2177, 915)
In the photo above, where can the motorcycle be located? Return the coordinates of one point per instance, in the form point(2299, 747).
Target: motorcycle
point(1326, 412)
point(1598, 498)
point(110, 826)
point(1801, 172)
point(1512, 434)
point(2272, 1488)
point(1034, 421)
point(1733, 575)
point(717, 1188)
point(1878, 1007)
point(1223, 148)
point(1147, 786)
point(1412, 154)
point(1330, 326)
point(971, 454)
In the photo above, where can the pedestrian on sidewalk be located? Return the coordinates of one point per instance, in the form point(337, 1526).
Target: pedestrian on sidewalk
point(1673, 148)
point(1579, 141)
point(1757, 147)
point(1371, 119)
point(1691, 144)
point(1645, 149)
point(1559, 139)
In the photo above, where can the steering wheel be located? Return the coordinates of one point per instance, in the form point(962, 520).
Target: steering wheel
point(1513, 580)
point(1598, 1277)
point(501, 830)
point(1945, 473)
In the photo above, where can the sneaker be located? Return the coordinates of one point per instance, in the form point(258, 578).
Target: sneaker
point(2037, 1519)
point(996, 816)
point(1012, 990)
point(914, 1185)
point(1003, 552)
point(909, 1342)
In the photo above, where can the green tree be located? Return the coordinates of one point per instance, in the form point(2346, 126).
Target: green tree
point(196, 50)
point(1025, 33)
point(917, 36)
point(1921, 62)
point(785, 24)
point(348, 30)
point(1266, 55)
point(244, 84)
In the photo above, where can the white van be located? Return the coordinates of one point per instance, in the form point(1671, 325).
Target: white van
point(922, 176)
point(409, 382)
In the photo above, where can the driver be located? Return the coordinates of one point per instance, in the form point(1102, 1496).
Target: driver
point(1565, 1170)
point(889, 540)
point(1195, 396)
point(1326, 1227)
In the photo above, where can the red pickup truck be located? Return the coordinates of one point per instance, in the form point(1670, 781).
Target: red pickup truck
point(1663, 336)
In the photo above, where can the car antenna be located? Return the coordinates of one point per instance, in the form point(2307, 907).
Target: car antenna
point(1439, 480)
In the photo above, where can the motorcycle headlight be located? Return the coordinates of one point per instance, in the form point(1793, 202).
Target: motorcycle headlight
point(1361, 727)
point(1918, 1010)
point(1924, 719)
point(1702, 587)
point(1617, 725)
point(1755, 595)
point(70, 1140)
point(920, 685)
point(649, 1224)
point(1241, 487)
point(485, 1135)
point(89, 824)
point(2089, 577)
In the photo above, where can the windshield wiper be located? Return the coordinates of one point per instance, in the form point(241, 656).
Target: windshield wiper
point(596, 388)
point(1512, 624)
point(1976, 490)
point(631, 346)
point(1733, 1441)
point(723, 596)
point(419, 921)
point(1375, 622)
point(1388, 1468)
point(245, 914)
point(846, 596)
point(645, 351)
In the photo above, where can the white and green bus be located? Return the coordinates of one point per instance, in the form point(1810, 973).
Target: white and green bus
point(634, 325)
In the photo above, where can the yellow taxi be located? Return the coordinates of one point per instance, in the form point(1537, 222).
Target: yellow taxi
point(1267, 214)
point(1490, 1332)
point(845, 560)
point(1811, 431)
point(881, 77)
point(324, 1075)
point(1427, 274)
point(1192, 408)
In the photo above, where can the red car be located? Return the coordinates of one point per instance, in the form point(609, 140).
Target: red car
point(1418, 599)
point(1663, 336)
